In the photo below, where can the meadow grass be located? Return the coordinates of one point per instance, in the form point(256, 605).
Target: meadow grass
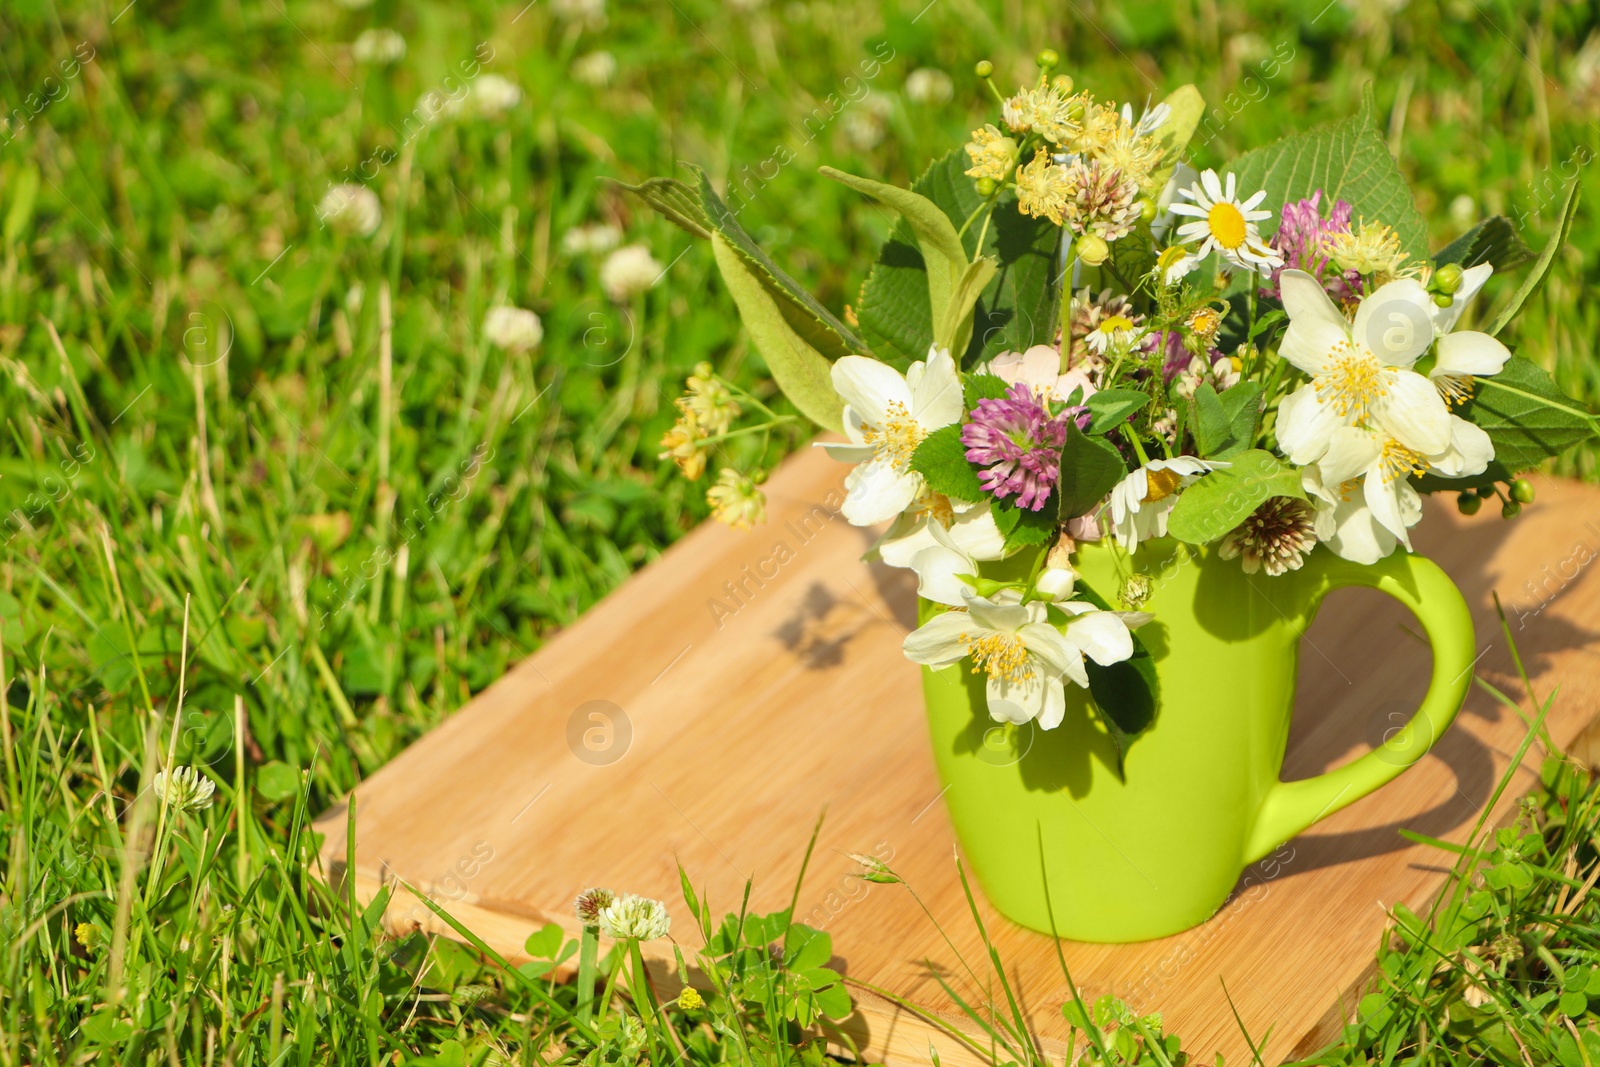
point(274, 506)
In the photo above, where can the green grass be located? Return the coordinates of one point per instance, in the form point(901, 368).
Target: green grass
point(361, 518)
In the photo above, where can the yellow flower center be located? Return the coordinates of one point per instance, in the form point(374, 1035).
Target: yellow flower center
point(1399, 461)
point(1113, 323)
point(897, 438)
point(1227, 225)
point(1353, 382)
point(1455, 388)
point(1160, 484)
point(1001, 655)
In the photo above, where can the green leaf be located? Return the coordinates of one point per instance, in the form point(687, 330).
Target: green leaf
point(1025, 527)
point(1527, 418)
point(24, 194)
point(1225, 424)
point(834, 1001)
point(1188, 108)
point(805, 948)
point(1018, 307)
point(699, 211)
point(941, 459)
point(803, 373)
point(277, 781)
point(985, 386)
point(1212, 427)
point(1223, 499)
point(1128, 694)
point(1493, 241)
point(1541, 268)
point(544, 943)
point(1090, 468)
point(1347, 160)
point(1109, 408)
point(955, 332)
point(1574, 1004)
point(943, 255)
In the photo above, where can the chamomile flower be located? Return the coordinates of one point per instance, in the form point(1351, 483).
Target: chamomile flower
point(1115, 331)
point(1225, 224)
point(1141, 502)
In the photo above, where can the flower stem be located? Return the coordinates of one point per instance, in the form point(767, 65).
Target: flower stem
point(741, 431)
point(588, 964)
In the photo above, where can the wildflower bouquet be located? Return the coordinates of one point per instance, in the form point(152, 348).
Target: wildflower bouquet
point(1073, 336)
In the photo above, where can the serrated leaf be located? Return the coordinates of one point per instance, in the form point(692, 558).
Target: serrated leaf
point(1110, 408)
point(976, 387)
point(1090, 468)
point(1493, 241)
point(943, 255)
point(803, 373)
point(1347, 160)
point(1028, 527)
point(1223, 499)
point(941, 459)
point(1546, 260)
point(700, 211)
point(1527, 418)
point(1019, 305)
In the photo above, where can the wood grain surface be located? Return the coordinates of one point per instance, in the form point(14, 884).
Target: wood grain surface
point(707, 712)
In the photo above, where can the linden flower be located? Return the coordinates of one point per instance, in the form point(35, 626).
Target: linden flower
point(1460, 358)
point(685, 445)
point(1051, 111)
point(736, 500)
point(709, 400)
point(1225, 224)
point(886, 417)
point(635, 918)
point(1043, 188)
point(1373, 249)
point(992, 153)
point(1361, 372)
point(513, 329)
point(184, 788)
point(1141, 502)
point(1024, 654)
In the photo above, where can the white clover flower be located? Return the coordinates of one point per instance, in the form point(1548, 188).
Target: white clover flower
point(629, 271)
point(494, 95)
point(351, 209)
point(634, 917)
point(594, 69)
point(929, 85)
point(184, 788)
point(512, 328)
point(579, 10)
point(593, 238)
point(380, 45)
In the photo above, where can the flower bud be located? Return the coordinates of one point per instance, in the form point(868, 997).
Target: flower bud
point(1511, 510)
point(1447, 279)
point(1469, 503)
point(1049, 59)
point(1522, 491)
point(1093, 250)
point(984, 68)
point(1055, 583)
point(985, 187)
point(1443, 300)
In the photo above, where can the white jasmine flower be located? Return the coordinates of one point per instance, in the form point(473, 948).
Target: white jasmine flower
point(939, 556)
point(595, 69)
point(1226, 225)
point(1040, 367)
point(512, 328)
point(1366, 503)
point(1461, 357)
point(886, 416)
point(629, 271)
point(968, 528)
point(1141, 502)
point(380, 45)
point(1024, 654)
point(351, 209)
point(494, 95)
point(593, 238)
point(634, 917)
point(184, 788)
point(929, 85)
point(1056, 583)
point(1360, 372)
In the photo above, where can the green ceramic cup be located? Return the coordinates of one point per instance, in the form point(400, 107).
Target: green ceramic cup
point(1159, 850)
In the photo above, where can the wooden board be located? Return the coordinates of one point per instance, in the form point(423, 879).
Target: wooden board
point(706, 712)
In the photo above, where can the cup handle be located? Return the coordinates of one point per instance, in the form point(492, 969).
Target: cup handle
point(1419, 584)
